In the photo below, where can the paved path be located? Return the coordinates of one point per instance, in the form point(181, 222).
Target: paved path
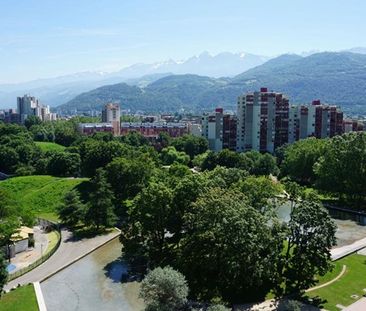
point(343, 251)
point(68, 252)
point(344, 268)
point(359, 305)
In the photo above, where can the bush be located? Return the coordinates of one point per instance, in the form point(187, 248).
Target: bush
point(217, 308)
point(164, 289)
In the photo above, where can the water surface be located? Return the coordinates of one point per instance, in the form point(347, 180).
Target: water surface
point(93, 283)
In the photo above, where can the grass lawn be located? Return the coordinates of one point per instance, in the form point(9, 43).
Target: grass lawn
point(53, 238)
point(22, 298)
point(46, 146)
point(351, 283)
point(40, 194)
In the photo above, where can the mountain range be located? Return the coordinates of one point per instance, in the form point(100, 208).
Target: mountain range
point(334, 77)
point(59, 90)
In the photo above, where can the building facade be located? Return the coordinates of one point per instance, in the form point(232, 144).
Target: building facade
point(30, 106)
point(220, 130)
point(152, 130)
point(92, 128)
point(112, 114)
point(263, 121)
point(266, 121)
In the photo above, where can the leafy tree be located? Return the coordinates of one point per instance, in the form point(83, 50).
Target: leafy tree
point(128, 176)
point(263, 164)
point(342, 166)
point(217, 307)
point(71, 211)
point(32, 120)
point(300, 158)
point(135, 139)
point(259, 190)
point(311, 235)
point(191, 145)
point(8, 159)
point(64, 164)
point(163, 141)
point(224, 177)
point(223, 240)
point(164, 289)
point(96, 154)
point(145, 234)
point(170, 155)
point(100, 207)
point(3, 272)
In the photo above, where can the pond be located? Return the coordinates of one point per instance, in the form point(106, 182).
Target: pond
point(348, 231)
point(93, 283)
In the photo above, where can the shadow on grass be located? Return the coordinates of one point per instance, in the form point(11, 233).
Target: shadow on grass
point(314, 301)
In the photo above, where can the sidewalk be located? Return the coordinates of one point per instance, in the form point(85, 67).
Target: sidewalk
point(68, 252)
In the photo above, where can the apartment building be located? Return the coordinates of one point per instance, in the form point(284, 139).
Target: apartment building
point(30, 106)
point(263, 121)
point(266, 121)
point(111, 113)
point(320, 120)
point(152, 130)
point(220, 130)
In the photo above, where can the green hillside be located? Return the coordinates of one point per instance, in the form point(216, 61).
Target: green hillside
point(40, 194)
point(338, 78)
point(47, 146)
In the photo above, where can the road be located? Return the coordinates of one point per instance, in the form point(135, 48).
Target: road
point(69, 251)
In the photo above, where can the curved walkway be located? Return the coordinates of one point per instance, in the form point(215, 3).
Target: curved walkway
point(69, 251)
point(344, 268)
point(340, 252)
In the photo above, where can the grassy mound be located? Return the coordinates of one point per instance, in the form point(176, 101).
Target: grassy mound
point(41, 194)
point(46, 146)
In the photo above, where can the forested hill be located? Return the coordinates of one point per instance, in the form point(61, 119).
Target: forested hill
point(338, 78)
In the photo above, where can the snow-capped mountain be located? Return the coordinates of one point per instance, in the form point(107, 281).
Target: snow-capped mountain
point(58, 90)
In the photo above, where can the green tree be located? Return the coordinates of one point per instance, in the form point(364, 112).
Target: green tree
point(217, 307)
point(145, 234)
point(262, 164)
point(311, 235)
point(164, 289)
point(259, 191)
point(32, 120)
point(64, 164)
point(170, 155)
point(224, 237)
point(100, 209)
point(342, 167)
point(71, 211)
point(300, 158)
point(191, 145)
point(128, 176)
point(3, 272)
point(8, 159)
point(96, 154)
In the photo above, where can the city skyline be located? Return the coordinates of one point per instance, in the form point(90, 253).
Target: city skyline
point(42, 39)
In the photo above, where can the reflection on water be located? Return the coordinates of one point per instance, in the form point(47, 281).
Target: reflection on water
point(93, 283)
point(348, 231)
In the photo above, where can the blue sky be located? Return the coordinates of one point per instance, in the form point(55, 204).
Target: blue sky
point(44, 38)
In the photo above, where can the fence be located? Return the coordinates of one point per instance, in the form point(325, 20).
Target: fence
point(41, 260)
